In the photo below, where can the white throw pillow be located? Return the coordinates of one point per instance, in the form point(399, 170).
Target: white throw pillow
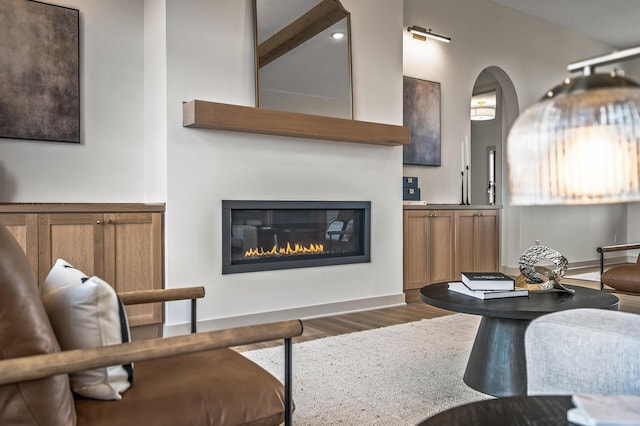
point(86, 313)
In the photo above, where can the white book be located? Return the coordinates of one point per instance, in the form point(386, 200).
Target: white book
point(605, 410)
point(460, 287)
point(488, 281)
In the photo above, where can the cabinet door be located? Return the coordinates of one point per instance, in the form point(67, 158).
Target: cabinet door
point(440, 248)
point(24, 228)
point(74, 237)
point(415, 249)
point(476, 241)
point(428, 247)
point(133, 259)
point(485, 236)
point(465, 236)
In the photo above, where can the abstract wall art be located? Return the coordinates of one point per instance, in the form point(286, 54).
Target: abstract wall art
point(39, 71)
point(421, 112)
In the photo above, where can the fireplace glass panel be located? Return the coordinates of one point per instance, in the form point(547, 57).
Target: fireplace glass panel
point(263, 235)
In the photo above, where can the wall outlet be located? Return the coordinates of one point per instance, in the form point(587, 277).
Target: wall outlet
point(615, 238)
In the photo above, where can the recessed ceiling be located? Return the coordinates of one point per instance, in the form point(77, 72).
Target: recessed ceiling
point(613, 22)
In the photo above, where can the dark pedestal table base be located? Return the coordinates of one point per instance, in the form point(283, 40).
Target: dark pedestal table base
point(497, 365)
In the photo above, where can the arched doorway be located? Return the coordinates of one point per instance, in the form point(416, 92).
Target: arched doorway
point(492, 89)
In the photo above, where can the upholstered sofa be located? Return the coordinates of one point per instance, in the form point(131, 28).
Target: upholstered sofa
point(588, 351)
point(183, 380)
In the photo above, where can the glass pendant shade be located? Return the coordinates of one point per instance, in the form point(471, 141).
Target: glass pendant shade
point(578, 145)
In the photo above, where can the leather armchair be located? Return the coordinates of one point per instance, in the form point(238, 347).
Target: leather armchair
point(622, 278)
point(194, 379)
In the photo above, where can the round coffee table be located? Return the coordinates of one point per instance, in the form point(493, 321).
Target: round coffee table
point(497, 365)
point(515, 410)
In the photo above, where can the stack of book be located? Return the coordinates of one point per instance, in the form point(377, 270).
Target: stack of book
point(487, 285)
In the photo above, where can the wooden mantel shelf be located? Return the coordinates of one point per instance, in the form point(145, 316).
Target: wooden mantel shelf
point(213, 115)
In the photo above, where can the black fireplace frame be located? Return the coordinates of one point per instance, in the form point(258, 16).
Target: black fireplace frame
point(228, 205)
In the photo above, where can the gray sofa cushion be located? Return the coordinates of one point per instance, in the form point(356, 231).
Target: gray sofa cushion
point(584, 351)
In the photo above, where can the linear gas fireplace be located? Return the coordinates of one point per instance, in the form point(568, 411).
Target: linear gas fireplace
point(266, 235)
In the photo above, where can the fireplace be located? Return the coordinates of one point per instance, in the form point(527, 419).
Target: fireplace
point(268, 235)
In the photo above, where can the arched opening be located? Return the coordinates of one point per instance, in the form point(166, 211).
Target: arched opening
point(493, 89)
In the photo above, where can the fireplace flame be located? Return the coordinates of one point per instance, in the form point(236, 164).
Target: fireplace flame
point(288, 250)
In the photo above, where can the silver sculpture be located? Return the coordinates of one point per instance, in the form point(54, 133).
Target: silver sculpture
point(534, 274)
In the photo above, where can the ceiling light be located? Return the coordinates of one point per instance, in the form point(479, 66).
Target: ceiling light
point(338, 35)
point(580, 144)
point(482, 113)
point(420, 33)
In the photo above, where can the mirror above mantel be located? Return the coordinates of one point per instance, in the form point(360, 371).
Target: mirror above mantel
point(325, 122)
point(301, 65)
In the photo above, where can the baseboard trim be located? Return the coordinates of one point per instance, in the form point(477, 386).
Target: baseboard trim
point(307, 312)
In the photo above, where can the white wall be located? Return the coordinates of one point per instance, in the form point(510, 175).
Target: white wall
point(155, 96)
point(210, 57)
point(534, 54)
point(108, 165)
point(634, 223)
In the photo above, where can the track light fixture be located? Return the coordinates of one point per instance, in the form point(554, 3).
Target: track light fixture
point(420, 33)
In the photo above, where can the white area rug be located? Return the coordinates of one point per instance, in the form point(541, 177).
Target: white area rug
point(396, 375)
point(587, 276)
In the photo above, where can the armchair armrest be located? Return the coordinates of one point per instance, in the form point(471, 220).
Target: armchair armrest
point(162, 295)
point(618, 247)
point(39, 366)
point(165, 295)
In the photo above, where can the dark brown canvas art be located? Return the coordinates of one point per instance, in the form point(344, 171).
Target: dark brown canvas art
point(39, 71)
point(421, 112)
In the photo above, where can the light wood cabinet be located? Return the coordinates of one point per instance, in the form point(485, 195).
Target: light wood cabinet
point(428, 247)
point(122, 244)
point(24, 228)
point(74, 237)
point(476, 241)
point(439, 244)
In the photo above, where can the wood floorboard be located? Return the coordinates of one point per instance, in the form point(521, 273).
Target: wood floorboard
point(317, 328)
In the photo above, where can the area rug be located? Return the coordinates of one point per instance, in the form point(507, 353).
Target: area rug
point(397, 375)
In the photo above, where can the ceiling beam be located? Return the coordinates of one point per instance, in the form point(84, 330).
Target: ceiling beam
point(317, 19)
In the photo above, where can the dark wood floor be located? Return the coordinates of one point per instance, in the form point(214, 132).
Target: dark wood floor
point(414, 311)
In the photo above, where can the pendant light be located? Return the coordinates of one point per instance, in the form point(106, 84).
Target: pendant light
point(482, 113)
point(580, 144)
